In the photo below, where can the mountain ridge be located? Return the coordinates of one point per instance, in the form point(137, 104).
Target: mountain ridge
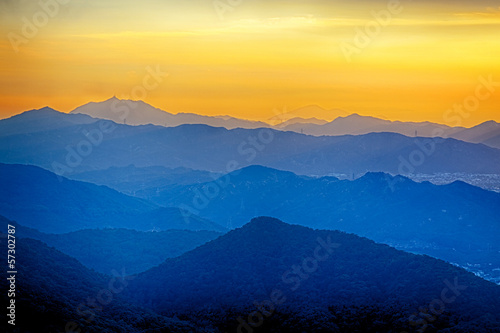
point(40, 199)
point(199, 147)
point(305, 272)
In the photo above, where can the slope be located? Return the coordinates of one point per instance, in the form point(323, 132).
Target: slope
point(55, 293)
point(111, 250)
point(40, 199)
point(457, 222)
point(68, 151)
point(278, 277)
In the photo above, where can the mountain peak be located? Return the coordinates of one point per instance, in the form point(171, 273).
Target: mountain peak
point(265, 222)
point(114, 98)
point(259, 171)
point(383, 178)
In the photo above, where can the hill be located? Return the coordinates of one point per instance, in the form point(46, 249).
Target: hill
point(55, 293)
point(68, 151)
point(458, 222)
point(40, 120)
point(140, 113)
point(487, 133)
point(110, 250)
point(40, 199)
point(131, 179)
point(281, 277)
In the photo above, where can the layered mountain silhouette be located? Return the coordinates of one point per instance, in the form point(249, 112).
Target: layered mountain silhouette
point(140, 113)
point(457, 222)
point(299, 120)
point(56, 293)
point(487, 133)
point(276, 277)
point(40, 120)
point(40, 199)
point(268, 276)
point(108, 250)
point(119, 188)
point(355, 124)
point(131, 179)
point(87, 147)
point(284, 115)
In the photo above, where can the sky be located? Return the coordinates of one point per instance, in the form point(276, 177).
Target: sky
point(398, 60)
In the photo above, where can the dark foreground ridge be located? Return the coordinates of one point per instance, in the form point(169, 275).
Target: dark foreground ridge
point(267, 276)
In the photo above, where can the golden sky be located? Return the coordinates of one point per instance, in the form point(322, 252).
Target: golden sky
point(249, 58)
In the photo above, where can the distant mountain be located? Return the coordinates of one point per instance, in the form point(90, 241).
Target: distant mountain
point(116, 249)
point(40, 120)
point(299, 121)
point(82, 148)
point(40, 199)
point(487, 133)
point(131, 179)
point(457, 222)
point(140, 113)
point(355, 125)
point(305, 112)
point(55, 293)
point(276, 277)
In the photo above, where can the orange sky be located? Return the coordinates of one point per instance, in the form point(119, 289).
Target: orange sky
point(254, 58)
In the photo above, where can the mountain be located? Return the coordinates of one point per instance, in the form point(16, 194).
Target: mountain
point(306, 112)
point(355, 125)
point(116, 249)
point(458, 222)
point(42, 200)
point(82, 148)
point(40, 120)
point(130, 179)
point(487, 133)
point(140, 113)
point(55, 293)
point(274, 277)
point(301, 121)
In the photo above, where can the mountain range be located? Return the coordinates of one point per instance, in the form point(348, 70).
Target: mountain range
point(487, 133)
point(140, 113)
point(39, 199)
point(56, 293)
point(131, 179)
point(268, 276)
point(456, 222)
point(128, 218)
point(295, 279)
point(108, 250)
point(103, 144)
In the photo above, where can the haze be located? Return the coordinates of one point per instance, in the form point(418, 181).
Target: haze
point(254, 59)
